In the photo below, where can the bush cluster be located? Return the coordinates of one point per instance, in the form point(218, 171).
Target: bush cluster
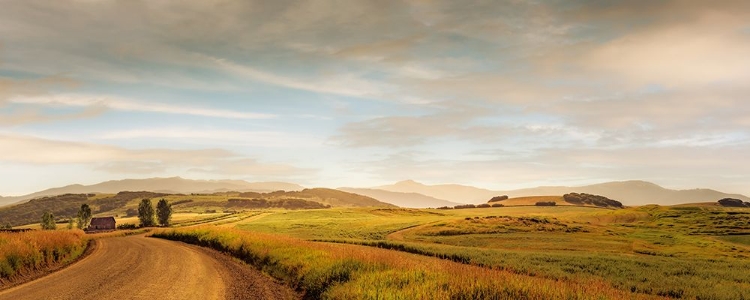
point(546, 203)
point(462, 206)
point(498, 198)
point(127, 226)
point(596, 200)
point(731, 202)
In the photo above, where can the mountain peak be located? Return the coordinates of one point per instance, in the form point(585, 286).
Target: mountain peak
point(408, 182)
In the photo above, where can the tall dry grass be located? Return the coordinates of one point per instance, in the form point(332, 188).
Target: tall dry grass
point(22, 253)
point(339, 271)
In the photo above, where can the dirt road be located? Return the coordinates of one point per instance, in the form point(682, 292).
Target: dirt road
point(138, 267)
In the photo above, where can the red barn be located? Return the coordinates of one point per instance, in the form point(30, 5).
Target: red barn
point(102, 223)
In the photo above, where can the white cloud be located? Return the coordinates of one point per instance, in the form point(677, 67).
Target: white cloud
point(709, 50)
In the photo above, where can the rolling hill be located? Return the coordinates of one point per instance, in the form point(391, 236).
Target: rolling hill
point(172, 185)
point(410, 200)
point(450, 192)
point(634, 192)
point(337, 198)
point(125, 203)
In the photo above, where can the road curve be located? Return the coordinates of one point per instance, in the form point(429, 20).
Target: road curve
point(138, 267)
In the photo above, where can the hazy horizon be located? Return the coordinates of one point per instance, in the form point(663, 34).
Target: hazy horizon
point(498, 94)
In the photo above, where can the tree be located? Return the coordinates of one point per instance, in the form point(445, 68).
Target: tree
point(84, 216)
point(146, 213)
point(70, 223)
point(8, 226)
point(164, 212)
point(48, 221)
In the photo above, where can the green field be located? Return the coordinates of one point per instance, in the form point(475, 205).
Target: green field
point(531, 252)
point(677, 252)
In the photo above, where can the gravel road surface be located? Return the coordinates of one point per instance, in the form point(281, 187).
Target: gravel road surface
point(138, 267)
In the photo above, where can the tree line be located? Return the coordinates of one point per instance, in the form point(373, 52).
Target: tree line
point(147, 216)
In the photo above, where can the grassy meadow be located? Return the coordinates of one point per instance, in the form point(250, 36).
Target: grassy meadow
point(512, 252)
point(341, 271)
point(674, 252)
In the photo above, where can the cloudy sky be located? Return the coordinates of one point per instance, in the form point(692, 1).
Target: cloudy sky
point(496, 94)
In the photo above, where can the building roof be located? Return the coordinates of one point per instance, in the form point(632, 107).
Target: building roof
point(102, 220)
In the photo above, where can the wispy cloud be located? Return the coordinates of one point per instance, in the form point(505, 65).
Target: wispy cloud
point(12, 87)
point(119, 160)
point(35, 115)
point(273, 139)
point(342, 85)
point(123, 104)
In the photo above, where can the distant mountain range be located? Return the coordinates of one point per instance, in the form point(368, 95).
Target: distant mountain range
point(407, 193)
point(631, 193)
point(449, 192)
point(411, 200)
point(172, 185)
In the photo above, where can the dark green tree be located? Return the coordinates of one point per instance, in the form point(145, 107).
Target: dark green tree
point(70, 223)
point(164, 212)
point(146, 213)
point(84, 216)
point(48, 221)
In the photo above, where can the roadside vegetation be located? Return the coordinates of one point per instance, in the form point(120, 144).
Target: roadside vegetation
point(24, 253)
point(339, 271)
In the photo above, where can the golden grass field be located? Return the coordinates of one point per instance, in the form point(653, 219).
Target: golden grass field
point(692, 252)
point(23, 253)
point(521, 252)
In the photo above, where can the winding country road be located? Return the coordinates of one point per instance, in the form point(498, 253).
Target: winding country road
point(138, 267)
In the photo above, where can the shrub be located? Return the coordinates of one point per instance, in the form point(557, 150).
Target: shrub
point(498, 198)
point(546, 203)
point(497, 205)
point(483, 205)
point(731, 202)
point(596, 200)
point(126, 226)
point(178, 202)
point(48, 221)
point(465, 206)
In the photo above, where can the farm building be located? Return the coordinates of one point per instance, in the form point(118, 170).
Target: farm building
point(102, 223)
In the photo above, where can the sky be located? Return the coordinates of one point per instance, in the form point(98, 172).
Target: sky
point(494, 94)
